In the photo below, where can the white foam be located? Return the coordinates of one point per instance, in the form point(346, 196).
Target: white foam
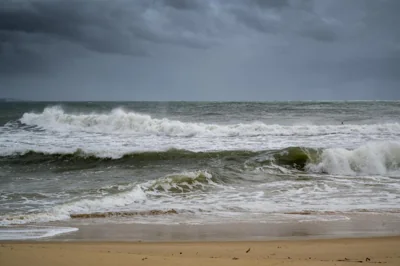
point(136, 196)
point(381, 158)
point(179, 181)
point(33, 232)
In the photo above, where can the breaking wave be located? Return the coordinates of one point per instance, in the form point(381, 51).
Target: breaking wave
point(122, 121)
point(381, 158)
point(183, 182)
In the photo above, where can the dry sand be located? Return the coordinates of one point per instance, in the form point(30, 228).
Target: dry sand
point(369, 251)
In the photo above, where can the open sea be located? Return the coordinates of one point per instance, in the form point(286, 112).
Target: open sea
point(194, 163)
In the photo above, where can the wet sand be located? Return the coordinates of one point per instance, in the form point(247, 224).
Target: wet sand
point(324, 252)
point(296, 227)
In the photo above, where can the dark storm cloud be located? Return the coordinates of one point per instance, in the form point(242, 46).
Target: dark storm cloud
point(123, 27)
point(34, 33)
point(113, 22)
point(273, 48)
point(120, 27)
point(90, 24)
point(285, 17)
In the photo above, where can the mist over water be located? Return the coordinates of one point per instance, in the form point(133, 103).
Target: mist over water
point(208, 162)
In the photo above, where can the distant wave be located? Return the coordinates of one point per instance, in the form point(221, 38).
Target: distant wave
point(121, 121)
point(377, 158)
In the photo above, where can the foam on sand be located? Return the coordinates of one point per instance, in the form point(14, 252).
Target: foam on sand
point(33, 232)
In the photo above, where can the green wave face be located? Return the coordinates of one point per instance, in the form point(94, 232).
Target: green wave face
point(79, 155)
point(293, 157)
point(296, 157)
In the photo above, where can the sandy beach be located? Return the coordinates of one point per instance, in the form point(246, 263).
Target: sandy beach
point(338, 252)
point(363, 238)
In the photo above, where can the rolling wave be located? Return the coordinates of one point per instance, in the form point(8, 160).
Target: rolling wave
point(122, 121)
point(377, 158)
point(34, 157)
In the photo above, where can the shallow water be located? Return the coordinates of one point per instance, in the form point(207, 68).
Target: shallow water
point(209, 162)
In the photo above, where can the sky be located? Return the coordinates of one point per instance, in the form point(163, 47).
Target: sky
point(200, 50)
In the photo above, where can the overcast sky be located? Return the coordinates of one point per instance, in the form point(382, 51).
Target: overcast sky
point(200, 49)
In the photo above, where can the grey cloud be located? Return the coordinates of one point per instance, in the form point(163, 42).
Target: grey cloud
point(184, 4)
point(255, 21)
point(272, 3)
point(320, 34)
point(19, 59)
point(385, 68)
point(314, 27)
point(285, 17)
point(180, 49)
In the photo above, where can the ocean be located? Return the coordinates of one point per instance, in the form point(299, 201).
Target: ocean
point(194, 163)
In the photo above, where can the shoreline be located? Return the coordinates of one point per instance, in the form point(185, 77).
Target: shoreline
point(360, 238)
point(125, 230)
point(177, 242)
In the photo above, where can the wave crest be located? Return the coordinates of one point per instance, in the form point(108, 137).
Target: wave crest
point(122, 121)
